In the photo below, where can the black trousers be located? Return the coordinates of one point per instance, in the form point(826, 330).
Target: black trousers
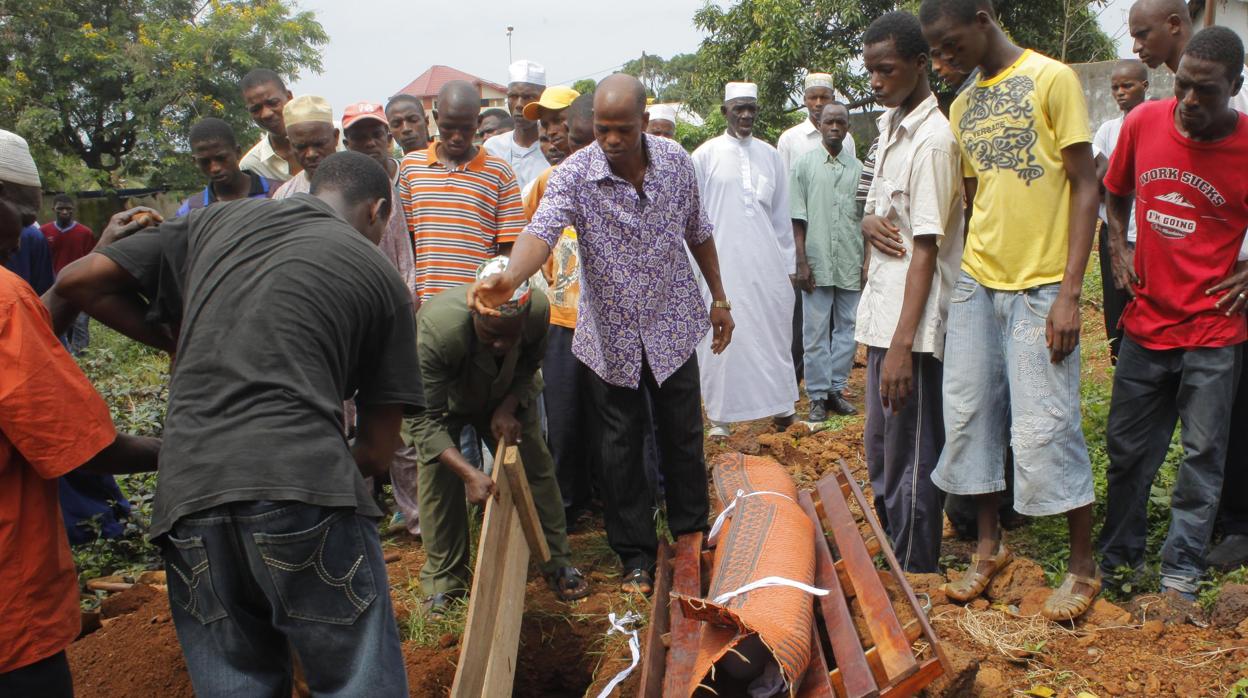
point(1233, 514)
point(621, 422)
point(567, 418)
point(46, 678)
point(1114, 299)
point(902, 451)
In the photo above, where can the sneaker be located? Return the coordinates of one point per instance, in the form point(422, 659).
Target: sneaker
point(1232, 552)
point(838, 404)
point(818, 413)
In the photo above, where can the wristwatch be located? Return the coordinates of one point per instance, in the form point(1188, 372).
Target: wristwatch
point(721, 304)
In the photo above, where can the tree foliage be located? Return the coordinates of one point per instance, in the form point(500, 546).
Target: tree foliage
point(114, 85)
point(584, 86)
point(774, 42)
point(666, 79)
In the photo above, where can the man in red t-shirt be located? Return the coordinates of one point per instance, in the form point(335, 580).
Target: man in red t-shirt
point(1183, 160)
point(69, 240)
point(39, 612)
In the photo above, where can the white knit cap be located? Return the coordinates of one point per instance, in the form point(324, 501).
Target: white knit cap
point(527, 71)
point(819, 80)
point(740, 90)
point(16, 164)
point(662, 112)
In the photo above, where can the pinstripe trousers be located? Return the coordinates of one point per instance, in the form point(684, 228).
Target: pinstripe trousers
point(902, 451)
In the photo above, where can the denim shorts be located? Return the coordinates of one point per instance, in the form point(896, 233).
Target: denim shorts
point(999, 382)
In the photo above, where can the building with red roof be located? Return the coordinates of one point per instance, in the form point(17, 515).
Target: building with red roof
point(427, 84)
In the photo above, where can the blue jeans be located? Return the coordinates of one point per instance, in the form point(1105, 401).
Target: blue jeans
point(78, 336)
point(250, 583)
point(828, 361)
point(1153, 390)
point(999, 384)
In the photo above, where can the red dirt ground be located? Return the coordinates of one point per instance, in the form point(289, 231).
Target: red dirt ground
point(563, 651)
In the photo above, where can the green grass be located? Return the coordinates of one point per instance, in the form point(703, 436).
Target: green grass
point(133, 380)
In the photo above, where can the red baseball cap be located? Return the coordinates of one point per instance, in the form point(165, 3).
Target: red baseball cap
point(361, 111)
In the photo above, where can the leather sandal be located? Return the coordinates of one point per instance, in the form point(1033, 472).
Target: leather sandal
point(637, 581)
point(568, 583)
point(1065, 604)
point(973, 582)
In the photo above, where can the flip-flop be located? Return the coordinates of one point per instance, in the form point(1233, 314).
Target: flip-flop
point(1065, 604)
point(568, 583)
point(973, 582)
point(637, 581)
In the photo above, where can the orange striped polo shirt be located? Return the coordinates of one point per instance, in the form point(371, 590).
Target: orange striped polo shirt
point(457, 216)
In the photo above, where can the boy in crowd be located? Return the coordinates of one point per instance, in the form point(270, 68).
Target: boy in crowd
point(217, 155)
point(1182, 158)
point(1012, 359)
point(1129, 85)
point(901, 316)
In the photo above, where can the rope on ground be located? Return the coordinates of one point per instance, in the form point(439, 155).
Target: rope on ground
point(624, 627)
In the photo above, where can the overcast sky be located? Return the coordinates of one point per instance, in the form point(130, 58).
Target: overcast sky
point(376, 47)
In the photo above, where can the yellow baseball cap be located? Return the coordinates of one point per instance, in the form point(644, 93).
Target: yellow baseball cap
point(553, 98)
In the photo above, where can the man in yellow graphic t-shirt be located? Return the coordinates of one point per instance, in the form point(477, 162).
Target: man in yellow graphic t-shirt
point(1011, 358)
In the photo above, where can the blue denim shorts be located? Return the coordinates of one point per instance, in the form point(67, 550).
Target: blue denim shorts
point(999, 383)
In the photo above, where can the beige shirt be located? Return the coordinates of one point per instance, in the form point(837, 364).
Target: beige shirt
point(918, 188)
point(264, 160)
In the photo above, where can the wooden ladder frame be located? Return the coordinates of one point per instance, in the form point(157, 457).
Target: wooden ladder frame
point(510, 533)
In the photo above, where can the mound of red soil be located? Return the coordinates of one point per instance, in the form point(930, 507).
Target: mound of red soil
point(133, 654)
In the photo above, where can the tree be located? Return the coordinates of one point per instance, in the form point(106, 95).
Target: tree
point(115, 85)
point(585, 86)
point(773, 43)
point(666, 80)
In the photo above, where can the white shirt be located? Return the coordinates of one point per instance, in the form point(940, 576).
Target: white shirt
point(918, 188)
point(802, 139)
point(263, 160)
point(1103, 144)
point(528, 163)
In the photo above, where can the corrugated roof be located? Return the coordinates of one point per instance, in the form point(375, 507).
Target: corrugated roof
point(432, 80)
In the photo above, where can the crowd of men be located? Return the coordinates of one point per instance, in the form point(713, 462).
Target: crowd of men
point(564, 277)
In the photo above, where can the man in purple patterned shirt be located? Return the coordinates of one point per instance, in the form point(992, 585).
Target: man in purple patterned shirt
point(634, 202)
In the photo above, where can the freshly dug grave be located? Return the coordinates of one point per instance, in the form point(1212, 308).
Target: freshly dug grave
point(997, 646)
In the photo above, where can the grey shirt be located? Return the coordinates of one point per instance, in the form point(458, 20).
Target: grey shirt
point(285, 312)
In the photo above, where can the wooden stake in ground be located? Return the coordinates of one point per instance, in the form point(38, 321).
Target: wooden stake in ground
point(510, 532)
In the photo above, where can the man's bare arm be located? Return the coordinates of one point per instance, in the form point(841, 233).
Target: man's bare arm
point(1062, 328)
point(126, 454)
point(377, 438)
point(108, 293)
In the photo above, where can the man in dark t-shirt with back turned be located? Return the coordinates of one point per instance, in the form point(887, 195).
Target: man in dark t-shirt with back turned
point(284, 309)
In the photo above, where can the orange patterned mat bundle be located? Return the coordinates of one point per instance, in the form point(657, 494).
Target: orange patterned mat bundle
point(757, 617)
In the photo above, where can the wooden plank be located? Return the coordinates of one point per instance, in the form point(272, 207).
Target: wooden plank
point(654, 652)
point(500, 672)
point(487, 586)
point(815, 683)
point(928, 671)
point(912, 631)
point(523, 498)
point(877, 608)
point(687, 580)
point(898, 575)
point(846, 646)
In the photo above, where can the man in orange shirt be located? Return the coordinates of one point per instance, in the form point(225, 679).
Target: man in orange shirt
point(39, 612)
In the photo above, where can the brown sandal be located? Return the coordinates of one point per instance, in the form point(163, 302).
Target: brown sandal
point(973, 582)
point(1065, 604)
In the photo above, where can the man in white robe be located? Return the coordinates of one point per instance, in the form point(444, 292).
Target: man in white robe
point(745, 192)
